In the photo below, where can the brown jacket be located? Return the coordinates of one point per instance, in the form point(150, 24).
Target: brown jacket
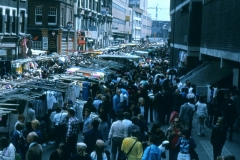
point(34, 152)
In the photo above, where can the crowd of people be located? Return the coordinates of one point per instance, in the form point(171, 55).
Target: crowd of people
point(119, 113)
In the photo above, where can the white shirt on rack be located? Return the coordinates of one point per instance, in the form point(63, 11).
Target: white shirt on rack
point(50, 100)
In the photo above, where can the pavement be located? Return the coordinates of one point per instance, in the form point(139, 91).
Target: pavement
point(204, 147)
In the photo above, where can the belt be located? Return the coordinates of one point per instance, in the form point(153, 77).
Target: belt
point(184, 152)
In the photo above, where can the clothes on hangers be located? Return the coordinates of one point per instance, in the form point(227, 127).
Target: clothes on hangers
point(70, 94)
point(78, 107)
point(50, 99)
point(39, 107)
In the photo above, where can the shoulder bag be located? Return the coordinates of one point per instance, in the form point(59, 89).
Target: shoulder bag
point(125, 156)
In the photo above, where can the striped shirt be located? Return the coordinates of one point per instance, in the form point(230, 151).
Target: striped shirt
point(73, 126)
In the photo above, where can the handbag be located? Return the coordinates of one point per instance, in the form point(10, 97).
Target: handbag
point(125, 156)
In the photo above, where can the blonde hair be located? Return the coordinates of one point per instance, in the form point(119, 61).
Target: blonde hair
point(35, 124)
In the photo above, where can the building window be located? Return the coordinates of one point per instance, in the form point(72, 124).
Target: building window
point(1, 19)
point(7, 21)
point(62, 17)
point(119, 21)
point(22, 21)
point(71, 15)
point(14, 21)
point(38, 15)
point(52, 15)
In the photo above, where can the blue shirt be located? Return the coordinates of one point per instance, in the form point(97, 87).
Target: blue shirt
point(152, 152)
point(185, 144)
point(116, 103)
point(86, 124)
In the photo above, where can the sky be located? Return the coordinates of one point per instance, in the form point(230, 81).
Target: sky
point(163, 14)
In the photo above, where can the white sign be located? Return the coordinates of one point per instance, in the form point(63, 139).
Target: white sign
point(88, 34)
point(94, 34)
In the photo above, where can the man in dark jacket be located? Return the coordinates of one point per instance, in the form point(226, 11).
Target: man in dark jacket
point(92, 136)
point(230, 115)
point(35, 150)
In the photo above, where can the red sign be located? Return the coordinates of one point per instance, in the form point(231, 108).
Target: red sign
point(81, 41)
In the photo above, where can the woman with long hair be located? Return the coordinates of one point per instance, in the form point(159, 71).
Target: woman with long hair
point(99, 153)
point(81, 152)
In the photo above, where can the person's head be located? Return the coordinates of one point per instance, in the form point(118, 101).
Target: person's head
point(71, 112)
point(35, 124)
point(186, 134)
point(62, 149)
point(99, 96)
point(81, 147)
point(118, 92)
point(101, 108)
point(140, 117)
point(95, 124)
point(136, 133)
point(90, 100)
point(32, 137)
point(176, 121)
point(58, 109)
point(131, 104)
point(86, 112)
point(127, 115)
point(156, 127)
point(19, 126)
point(99, 147)
point(201, 99)
point(21, 118)
point(120, 116)
point(134, 120)
point(103, 98)
point(4, 143)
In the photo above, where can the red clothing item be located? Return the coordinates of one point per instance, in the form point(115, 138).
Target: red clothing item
point(175, 138)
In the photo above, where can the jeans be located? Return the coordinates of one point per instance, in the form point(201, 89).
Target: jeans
point(200, 124)
point(116, 146)
point(182, 156)
point(59, 134)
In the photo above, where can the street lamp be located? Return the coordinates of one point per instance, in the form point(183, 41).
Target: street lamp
point(69, 27)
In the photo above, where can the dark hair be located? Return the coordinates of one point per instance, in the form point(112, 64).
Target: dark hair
point(64, 153)
point(19, 126)
point(201, 99)
point(4, 142)
point(99, 152)
point(58, 109)
point(120, 116)
point(186, 133)
point(71, 111)
point(89, 100)
point(135, 133)
point(95, 124)
point(126, 115)
point(21, 117)
point(134, 120)
point(155, 126)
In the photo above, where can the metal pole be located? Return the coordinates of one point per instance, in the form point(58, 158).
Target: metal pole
point(75, 25)
point(17, 31)
point(67, 41)
point(173, 30)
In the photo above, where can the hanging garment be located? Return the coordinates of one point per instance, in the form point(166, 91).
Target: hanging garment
point(78, 106)
point(70, 94)
point(50, 100)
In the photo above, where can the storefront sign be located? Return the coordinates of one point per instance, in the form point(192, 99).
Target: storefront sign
point(94, 34)
point(52, 43)
point(88, 34)
point(5, 45)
